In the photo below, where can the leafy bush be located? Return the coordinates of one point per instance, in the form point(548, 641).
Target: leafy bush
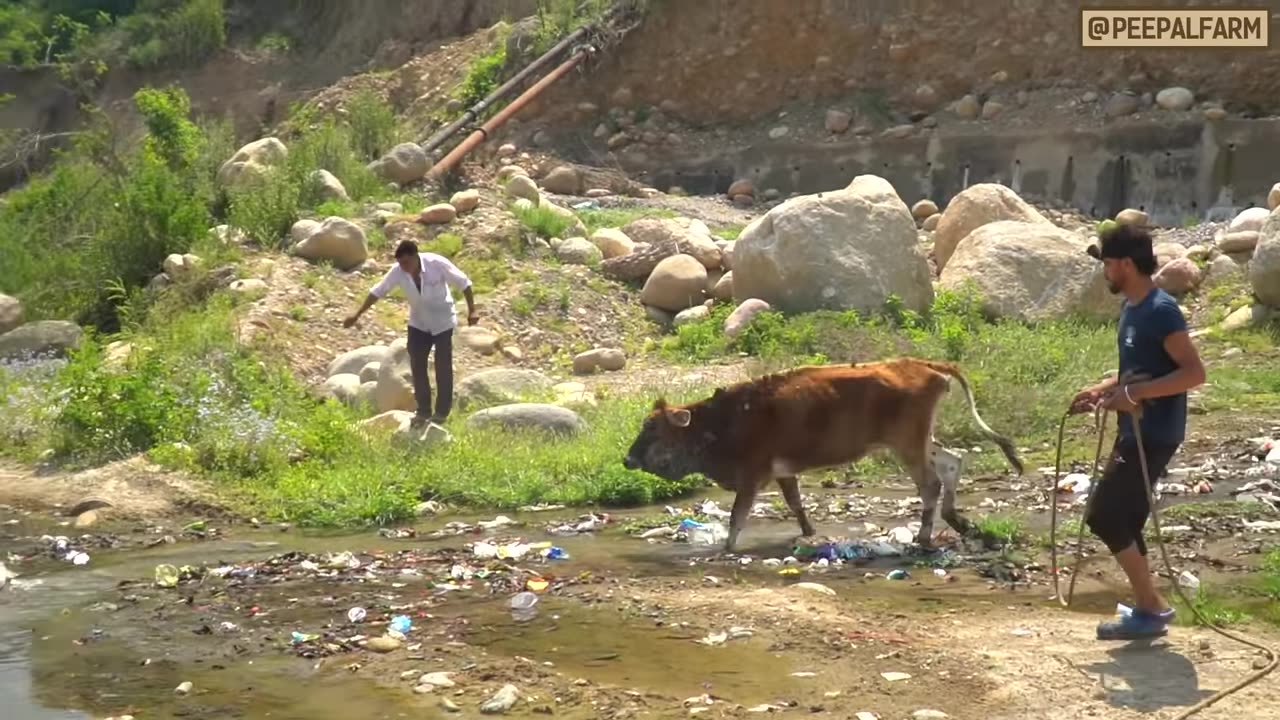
point(175, 32)
point(372, 123)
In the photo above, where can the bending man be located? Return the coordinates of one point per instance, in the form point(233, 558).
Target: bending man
point(425, 279)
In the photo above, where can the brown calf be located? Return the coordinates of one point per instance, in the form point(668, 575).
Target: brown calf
point(780, 425)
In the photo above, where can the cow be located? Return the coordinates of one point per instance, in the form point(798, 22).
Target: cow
point(807, 418)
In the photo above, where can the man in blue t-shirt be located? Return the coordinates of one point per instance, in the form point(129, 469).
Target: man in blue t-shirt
point(1153, 341)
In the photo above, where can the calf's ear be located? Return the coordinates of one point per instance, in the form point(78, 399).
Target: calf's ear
point(679, 417)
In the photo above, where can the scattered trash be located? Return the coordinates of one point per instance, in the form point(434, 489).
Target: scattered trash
point(866, 715)
point(303, 637)
point(704, 533)
point(500, 521)
point(804, 674)
point(1188, 580)
point(166, 576)
point(1075, 483)
point(585, 524)
point(555, 553)
point(398, 533)
point(228, 627)
point(895, 676)
point(898, 574)
point(356, 615)
point(502, 701)
point(183, 688)
point(939, 572)
point(401, 624)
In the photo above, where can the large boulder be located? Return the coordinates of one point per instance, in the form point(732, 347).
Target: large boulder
point(1264, 268)
point(976, 206)
point(848, 249)
point(353, 361)
point(677, 282)
point(405, 163)
point(552, 419)
point(563, 180)
point(578, 251)
point(1179, 276)
point(329, 186)
point(612, 242)
point(1250, 219)
point(252, 162)
point(599, 359)
point(338, 241)
point(394, 390)
point(343, 387)
point(1273, 197)
point(658, 232)
point(1030, 271)
point(501, 385)
point(40, 338)
point(10, 313)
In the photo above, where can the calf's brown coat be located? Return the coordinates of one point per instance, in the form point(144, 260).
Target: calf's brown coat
point(779, 425)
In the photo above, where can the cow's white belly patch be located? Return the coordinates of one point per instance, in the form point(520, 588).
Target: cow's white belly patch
point(782, 468)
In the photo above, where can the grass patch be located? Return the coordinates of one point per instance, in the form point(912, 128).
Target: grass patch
point(729, 233)
point(544, 221)
point(1007, 530)
point(1214, 509)
point(618, 217)
point(446, 244)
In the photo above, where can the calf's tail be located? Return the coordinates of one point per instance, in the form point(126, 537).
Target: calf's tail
point(1005, 444)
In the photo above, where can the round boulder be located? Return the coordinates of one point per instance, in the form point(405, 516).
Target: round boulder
point(563, 180)
point(406, 163)
point(974, 207)
point(1264, 268)
point(1178, 276)
point(924, 209)
point(578, 251)
point(536, 417)
point(10, 313)
point(40, 338)
point(338, 241)
point(354, 361)
point(599, 359)
point(678, 282)
point(612, 242)
point(251, 162)
point(742, 316)
point(1250, 219)
point(501, 385)
point(1175, 98)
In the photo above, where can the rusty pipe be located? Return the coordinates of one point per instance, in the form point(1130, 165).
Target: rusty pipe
point(474, 111)
point(502, 116)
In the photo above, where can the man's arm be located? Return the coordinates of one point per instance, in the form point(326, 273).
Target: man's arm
point(458, 279)
point(376, 293)
point(1189, 375)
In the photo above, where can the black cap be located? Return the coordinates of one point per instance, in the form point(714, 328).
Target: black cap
point(1123, 241)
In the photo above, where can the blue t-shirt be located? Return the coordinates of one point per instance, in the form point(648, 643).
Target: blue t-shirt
point(1143, 329)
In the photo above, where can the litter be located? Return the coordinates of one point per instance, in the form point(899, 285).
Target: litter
point(895, 676)
point(401, 624)
point(704, 533)
point(1188, 580)
point(356, 614)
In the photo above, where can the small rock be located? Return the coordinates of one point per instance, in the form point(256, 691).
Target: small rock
point(248, 287)
point(838, 121)
point(183, 689)
point(694, 314)
point(449, 705)
point(1089, 97)
point(86, 519)
point(899, 131)
point(743, 186)
point(437, 679)
point(779, 132)
point(1120, 104)
point(743, 201)
point(464, 201)
point(606, 359)
point(1260, 663)
point(506, 150)
point(612, 243)
point(480, 340)
point(1130, 216)
point(929, 715)
point(925, 97)
point(991, 109)
point(1238, 242)
point(924, 209)
point(502, 701)
point(383, 644)
point(1215, 114)
point(522, 187)
point(1273, 197)
point(931, 223)
point(578, 251)
point(741, 317)
point(967, 108)
point(563, 180)
point(1175, 98)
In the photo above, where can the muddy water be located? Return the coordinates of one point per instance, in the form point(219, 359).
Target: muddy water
point(61, 657)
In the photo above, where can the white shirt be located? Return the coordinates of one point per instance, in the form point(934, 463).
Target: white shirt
point(431, 309)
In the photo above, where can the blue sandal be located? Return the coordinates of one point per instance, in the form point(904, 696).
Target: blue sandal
point(1137, 625)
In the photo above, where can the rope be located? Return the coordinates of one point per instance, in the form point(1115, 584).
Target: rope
point(1099, 424)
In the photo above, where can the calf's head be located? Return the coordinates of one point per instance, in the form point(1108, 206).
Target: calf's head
point(670, 445)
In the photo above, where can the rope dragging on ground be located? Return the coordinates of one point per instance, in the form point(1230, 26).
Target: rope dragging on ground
point(1099, 426)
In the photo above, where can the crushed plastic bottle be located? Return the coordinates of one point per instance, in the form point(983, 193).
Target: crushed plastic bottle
point(704, 533)
point(524, 607)
point(401, 624)
point(1189, 580)
point(555, 553)
point(356, 614)
point(898, 574)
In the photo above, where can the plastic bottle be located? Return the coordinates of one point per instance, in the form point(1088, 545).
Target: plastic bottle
point(401, 624)
point(704, 533)
point(524, 601)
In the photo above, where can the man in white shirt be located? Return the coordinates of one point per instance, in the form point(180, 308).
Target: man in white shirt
point(425, 279)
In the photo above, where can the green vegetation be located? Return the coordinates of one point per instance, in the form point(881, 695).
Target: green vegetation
point(618, 217)
point(544, 221)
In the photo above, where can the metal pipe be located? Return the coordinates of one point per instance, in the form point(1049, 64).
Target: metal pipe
point(474, 111)
point(480, 135)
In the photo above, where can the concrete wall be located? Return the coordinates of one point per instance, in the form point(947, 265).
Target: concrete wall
point(1171, 171)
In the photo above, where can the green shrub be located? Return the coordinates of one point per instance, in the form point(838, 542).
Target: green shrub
point(372, 123)
point(175, 32)
point(544, 221)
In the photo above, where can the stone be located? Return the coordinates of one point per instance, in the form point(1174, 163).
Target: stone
point(1264, 268)
point(1175, 98)
point(88, 518)
point(506, 698)
point(338, 241)
point(967, 108)
point(676, 283)
point(1249, 219)
point(353, 361)
point(742, 316)
point(394, 390)
point(838, 121)
point(1030, 271)
point(923, 209)
point(847, 249)
point(779, 132)
point(612, 242)
point(726, 254)
point(743, 186)
point(1240, 242)
point(369, 373)
point(438, 679)
point(399, 425)
point(931, 223)
point(479, 340)
point(692, 315)
point(506, 150)
point(991, 109)
point(743, 201)
point(1167, 252)
point(552, 419)
point(598, 193)
point(521, 186)
point(598, 360)
point(688, 238)
point(464, 201)
point(248, 286)
point(405, 163)
point(1248, 316)
point(42, 338)
point(1178, 277)
point(501, 385)
point(563, 180)
point(925, 97)
point(1214, 114)
point(899, 131)
point(252, 162)
point(578, 251)
point(1120, 104)
point(659, 316)
point(180, 267)
point(569, 394)
point(1222, 269)
point(303, 229)
point(1089, 97)
point(927, 714)
point(382, 644)
point(344, 387)
point(974, 207)
point(439, 214)
point(329, 186)
point(1273, 197)
point(117, 355)
point(723, 288)
point(506, 172)
point(1132, 216)
point(11, 313)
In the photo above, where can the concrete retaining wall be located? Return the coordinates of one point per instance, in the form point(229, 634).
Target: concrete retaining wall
point(1171, 171)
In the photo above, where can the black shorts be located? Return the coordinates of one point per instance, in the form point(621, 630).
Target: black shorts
point(1120, 507)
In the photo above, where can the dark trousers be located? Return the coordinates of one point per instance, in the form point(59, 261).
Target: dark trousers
point(419, 346)
point(1120, 507)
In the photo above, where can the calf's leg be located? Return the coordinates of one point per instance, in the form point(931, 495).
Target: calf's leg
point(742, 502)
point(791, 493)
point(929, 486)
point(950, 514)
